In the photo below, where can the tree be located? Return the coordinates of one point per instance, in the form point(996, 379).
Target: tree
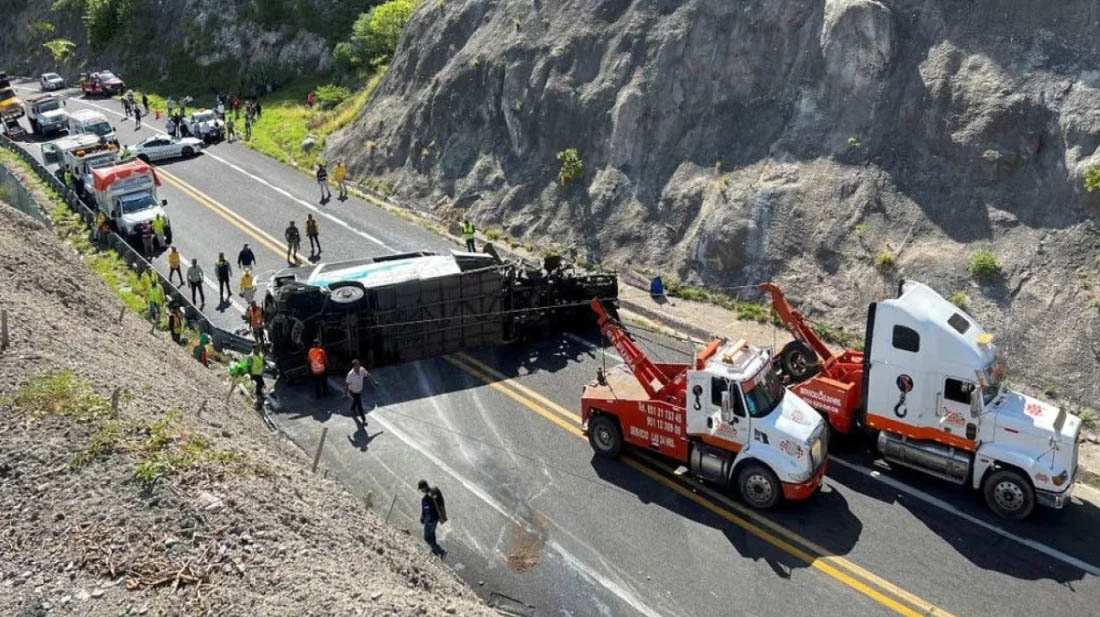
point(571, 165)
point(375, 35)
point(60, 48)
point(1092, 178)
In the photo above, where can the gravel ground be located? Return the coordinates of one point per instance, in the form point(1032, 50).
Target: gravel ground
point(181, 502)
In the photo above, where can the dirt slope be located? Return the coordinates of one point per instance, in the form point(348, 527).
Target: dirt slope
point(835, 146)
point(233, 524)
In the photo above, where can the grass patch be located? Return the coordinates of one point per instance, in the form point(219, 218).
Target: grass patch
point(983, 265)
point(168, 449)
point(106, 441)
point(960, 299)
point(885, 260)
point(61, 393)
point(1088, 419)
point(494, 233)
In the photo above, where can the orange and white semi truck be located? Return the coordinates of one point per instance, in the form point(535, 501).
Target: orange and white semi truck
point(726, 416)
point(929, 387)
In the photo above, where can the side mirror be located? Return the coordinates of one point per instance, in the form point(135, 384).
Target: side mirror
point(975, 403)
point(726, 415)
point(164, 203)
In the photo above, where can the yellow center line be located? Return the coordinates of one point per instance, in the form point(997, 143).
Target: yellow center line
point(775, 534)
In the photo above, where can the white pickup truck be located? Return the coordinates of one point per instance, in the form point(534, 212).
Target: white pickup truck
point(46, 114)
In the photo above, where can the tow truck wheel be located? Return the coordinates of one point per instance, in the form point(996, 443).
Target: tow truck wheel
point(605, 437)
point(798, 361)
point(1009, 495)
point(759, 486)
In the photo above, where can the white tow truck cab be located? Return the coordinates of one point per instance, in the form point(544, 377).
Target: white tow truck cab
point(935, 392)
point(127, 194)
point(46, 114)
point(90, 121)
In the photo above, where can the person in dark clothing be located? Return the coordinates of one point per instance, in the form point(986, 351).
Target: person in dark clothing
point(313, 234)
point(145, 102)
point(433, 511)
point(245, 259)
point(223, 271)
point(322, 181)
point(195, 279)
point(293, 241)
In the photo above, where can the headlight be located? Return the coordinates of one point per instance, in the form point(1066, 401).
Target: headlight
point(816, 452)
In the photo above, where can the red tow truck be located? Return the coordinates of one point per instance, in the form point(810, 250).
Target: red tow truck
point(929, 387)
point(726, 416)
point(103, 83)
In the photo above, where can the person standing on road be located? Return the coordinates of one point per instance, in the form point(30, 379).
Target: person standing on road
point(174, 265)
point(293, 241)
point(248, 127)
point(340, 175)
point(146, 231)
point(313, 234)
point(353, 387)
point(318, 368)
point(245, 259)
point(125, 107)
point(255, 316)
point(322, 181)
point(169, 105)
point(248, 286)
point(230, 130)
point(223, 272)
point(137, 118)
point(468, 234)
point(433, 511)
point(194, 281)
point(158, 230)
point(145, 102)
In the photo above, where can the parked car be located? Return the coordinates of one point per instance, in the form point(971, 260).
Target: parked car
point(205, 125)
point(51, 81)
point(103, 83)
point(160, 148)
point(91, 121)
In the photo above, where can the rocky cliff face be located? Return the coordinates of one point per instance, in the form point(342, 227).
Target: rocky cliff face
point(734, 142)
point(202, 43)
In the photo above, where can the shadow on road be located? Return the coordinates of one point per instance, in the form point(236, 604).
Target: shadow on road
point(825, 519)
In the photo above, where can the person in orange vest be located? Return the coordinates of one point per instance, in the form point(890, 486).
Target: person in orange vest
point(318, 365)
point(255, 316)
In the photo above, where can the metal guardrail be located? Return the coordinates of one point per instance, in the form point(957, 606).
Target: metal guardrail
point(222, 339)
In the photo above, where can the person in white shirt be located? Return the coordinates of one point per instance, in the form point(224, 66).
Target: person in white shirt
point(353, 386)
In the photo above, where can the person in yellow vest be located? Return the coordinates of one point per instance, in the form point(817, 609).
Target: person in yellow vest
point(174, 266)
point(98, 234)
point(340, 175)
point(158, 230)
point(248, 286)
point(256, 371)
point(468, 234)
point(175, 323)
point(155, 299)
point(254, 314)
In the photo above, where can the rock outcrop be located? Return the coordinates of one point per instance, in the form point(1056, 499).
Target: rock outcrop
point(732, 142)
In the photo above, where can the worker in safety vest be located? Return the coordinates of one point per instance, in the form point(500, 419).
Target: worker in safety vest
point(248, 288)
point(100, 222)
point(155, 298)
point(174, 265)
point(175, 323)
point(318, 365)
point(340, 176)
point(256, 370)
point(468, 234)
point(158, 230)
point(254, 314)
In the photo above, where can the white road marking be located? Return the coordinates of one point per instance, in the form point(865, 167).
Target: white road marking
point(280, 190)
point(623, 594)
point(943, 505)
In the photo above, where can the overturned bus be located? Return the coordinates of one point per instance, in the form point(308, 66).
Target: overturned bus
point(407, 306)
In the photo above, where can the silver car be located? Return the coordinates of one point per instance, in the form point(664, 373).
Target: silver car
point(51, 81)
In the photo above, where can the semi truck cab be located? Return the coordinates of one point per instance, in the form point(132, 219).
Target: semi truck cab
point(934, 390)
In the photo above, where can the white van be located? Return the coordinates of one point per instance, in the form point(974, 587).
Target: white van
point(89, 121)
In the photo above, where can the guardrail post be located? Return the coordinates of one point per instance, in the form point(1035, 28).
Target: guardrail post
point(4, 343)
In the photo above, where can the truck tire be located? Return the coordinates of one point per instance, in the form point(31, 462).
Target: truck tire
point(799, 361)
point(1009, 494)
point(348, 296)
point(605, 437)
point(758, 486)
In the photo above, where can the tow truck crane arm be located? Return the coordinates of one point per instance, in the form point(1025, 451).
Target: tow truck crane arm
point(796, 323)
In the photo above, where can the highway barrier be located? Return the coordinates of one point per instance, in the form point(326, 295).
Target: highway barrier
point(222, 339)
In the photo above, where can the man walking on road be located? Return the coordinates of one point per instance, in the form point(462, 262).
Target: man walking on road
point(468, 234)
point(353, 387)
point(322, 181)
point(293, 241)
point(174, 265)
point(245, 258)
point(433, 511)
point(313, 234)
point(223, 271)
point(318, 367)
point(137, 118)
point(194, 281)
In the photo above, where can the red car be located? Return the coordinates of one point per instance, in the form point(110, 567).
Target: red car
point(103, 83)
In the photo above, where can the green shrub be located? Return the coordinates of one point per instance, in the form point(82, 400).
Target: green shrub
point(61, 393)
point(1088, 419)
point(331, 95)
point(104, 19)
point(59, 48)
point(40, 29)
point(983, 265)
point(571, 165)
point(375, 34)
point(885, 260)
point(960, 299)
point(494, 233)
point(1092, 178)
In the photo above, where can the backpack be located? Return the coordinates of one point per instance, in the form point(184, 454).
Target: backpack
point(440, 505)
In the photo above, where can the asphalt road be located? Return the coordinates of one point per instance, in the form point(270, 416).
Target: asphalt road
point(541, 527)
